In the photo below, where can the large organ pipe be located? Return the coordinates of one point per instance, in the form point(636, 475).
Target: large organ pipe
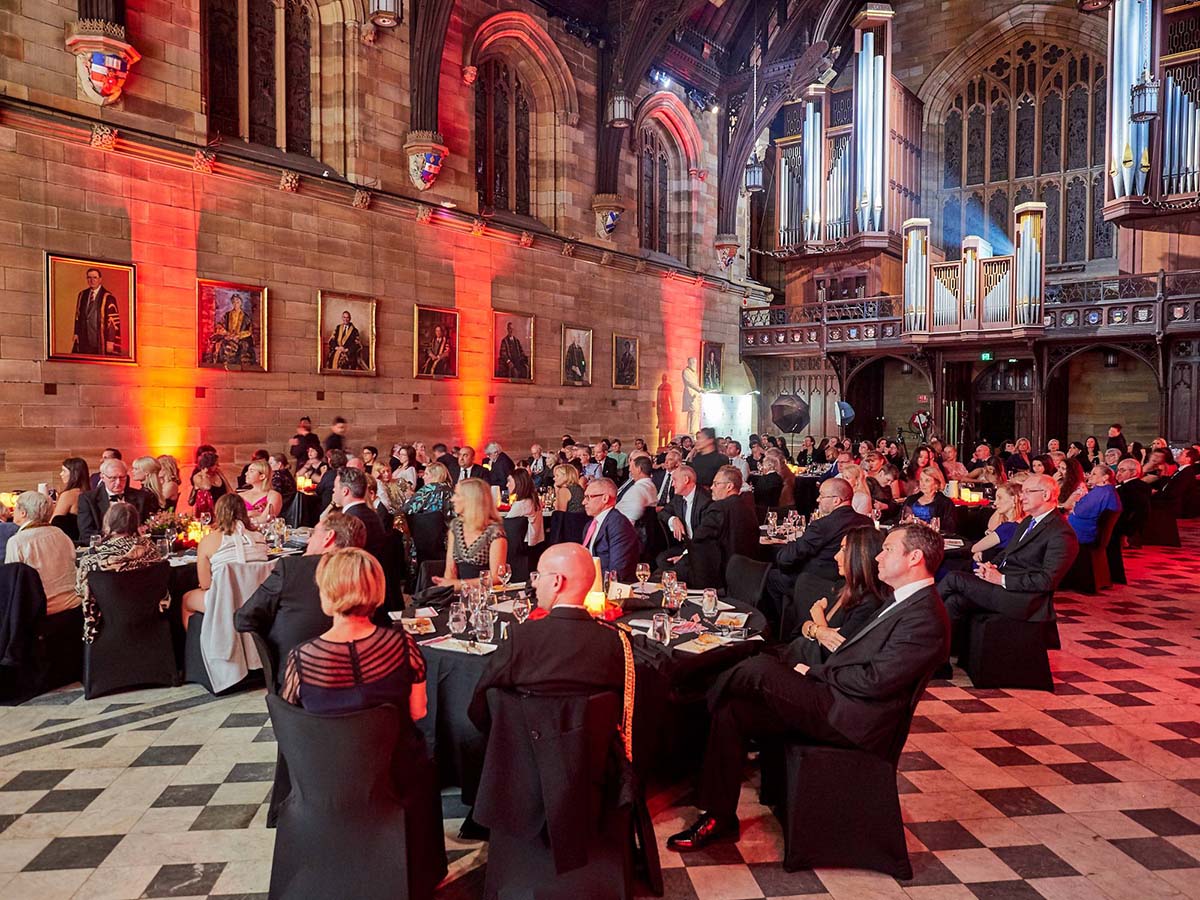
point(916, 274)
point(1128, 150)
point(878, 137)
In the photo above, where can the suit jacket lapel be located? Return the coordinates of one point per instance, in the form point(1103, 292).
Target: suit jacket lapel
point(886, 614)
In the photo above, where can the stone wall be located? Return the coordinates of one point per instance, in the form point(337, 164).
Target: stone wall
point(1099, 397)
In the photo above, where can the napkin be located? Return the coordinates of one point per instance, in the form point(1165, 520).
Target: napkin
point(457, 645)
point(504, 606)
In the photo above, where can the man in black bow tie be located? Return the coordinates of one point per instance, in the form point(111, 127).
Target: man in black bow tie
point(114, 488)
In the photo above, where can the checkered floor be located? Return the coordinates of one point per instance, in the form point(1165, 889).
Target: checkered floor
point(1090, 792)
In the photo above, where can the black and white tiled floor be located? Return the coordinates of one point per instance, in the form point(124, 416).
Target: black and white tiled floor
point(1092, 792)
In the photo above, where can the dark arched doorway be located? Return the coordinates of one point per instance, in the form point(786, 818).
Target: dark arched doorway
point(885, 393)
point(1003, 401)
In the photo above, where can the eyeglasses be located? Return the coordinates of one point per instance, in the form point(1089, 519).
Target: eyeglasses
point(594, 496)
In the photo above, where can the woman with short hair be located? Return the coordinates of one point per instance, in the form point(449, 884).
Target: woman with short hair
point(283, 482)
point(568, 493)
point(123, 549)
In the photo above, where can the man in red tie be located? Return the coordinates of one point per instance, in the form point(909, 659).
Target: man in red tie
point(610, 537)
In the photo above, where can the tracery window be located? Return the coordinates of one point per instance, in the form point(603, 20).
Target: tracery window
point(502, 138)
point(1028, 126)
point(262, 92)
point(654, 205)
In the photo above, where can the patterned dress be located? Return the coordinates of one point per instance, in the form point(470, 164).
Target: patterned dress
point(117, 554)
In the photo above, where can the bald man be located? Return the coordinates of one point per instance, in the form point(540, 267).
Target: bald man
point(567, 651)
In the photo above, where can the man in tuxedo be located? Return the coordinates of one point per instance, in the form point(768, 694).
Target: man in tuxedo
point(541, 467)
point(1181, 488)
point(1020, 583)
point(337, 435)
point(728, 527)
point(681, 517)
point(663, 483)
point(337, 460)
point(466, 465)
point(286, 608)
point(608, 465)
point(114, 488)
point(449, 460)
point(501, 466)
point(97, 319)
point(860, 697)
point(812, 554)
point(610, 537)
point(109, 453)
point(350, 495)
point(1134, 495)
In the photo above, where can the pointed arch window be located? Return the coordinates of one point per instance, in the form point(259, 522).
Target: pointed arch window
point(502, 138)
point(1035, 115)
point(654, 204)
point(259, 89)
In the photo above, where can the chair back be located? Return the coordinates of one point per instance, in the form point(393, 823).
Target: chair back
point(69, 524)
point(654, 538)
point(903, 726)
point(1105, 526)
point(517, 531)
point(268, 655)
point(568, 527)
point(746, 579)
point(132, 646)
point(229, 655)
point(428, 532)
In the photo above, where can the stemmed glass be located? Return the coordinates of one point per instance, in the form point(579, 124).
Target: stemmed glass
point(670, 600)
point(458, 618)
point(205, 519)
point(485, 625)
point(521, 608)
point(668, 581)
point(708, 608)
point(772, 521)
point(643, 575)
point(504, 573)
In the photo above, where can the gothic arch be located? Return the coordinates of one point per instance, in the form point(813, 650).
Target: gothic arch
point(854, 367)
point(669, 111)
point(1133, 352)
point(518, 35)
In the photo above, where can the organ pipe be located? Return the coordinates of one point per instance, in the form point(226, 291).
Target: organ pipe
point(1129, 146)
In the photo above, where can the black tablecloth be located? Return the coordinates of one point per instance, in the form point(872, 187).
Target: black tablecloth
point(303, 510)
point(667, 683)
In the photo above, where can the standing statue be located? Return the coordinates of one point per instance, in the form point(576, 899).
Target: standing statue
point(665, 406)
point(691, 396)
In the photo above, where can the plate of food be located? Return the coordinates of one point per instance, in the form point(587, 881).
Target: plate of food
point(732, 620)
point(418, 625)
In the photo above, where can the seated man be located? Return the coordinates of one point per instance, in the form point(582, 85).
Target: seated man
point(637, 494)
point(610, 537)
point(1021, 582)
point(858, 698)
point(1101, 496)
point(1181, 488)
point(47, 549)
point(567, 652)
point(681, 516)
point(728, 527)
point(286, 608)
point(350, 495)
point(812, 554)
point(1134, 495)
point(114, 488)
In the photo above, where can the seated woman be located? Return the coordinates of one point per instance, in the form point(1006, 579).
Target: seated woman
point(929, 503)
point(147, 472)
point(1041, 465)
point(169, 477)
point(262, 502)
point(768, 485)
point(787, 496)
point(75, 480)
point(477, 541)
point(232, 539)
point(568, 495)
point(435, 495)
point(991, 472)
point(861, 596)
point(406, 468)
point(1073, 483)
point(357, 665)
point(283, 481)
point(208, 484)
point(862, 502)
point(392, 494)
point(921, 460)
point(1009, 512)
point(121, 550)
point(525, 505)
point(955, 471)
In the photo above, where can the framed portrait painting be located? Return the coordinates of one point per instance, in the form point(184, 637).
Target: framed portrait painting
point(91, 310)
point(345, 334)
point(576, 356)
point(435, 342)
point(512, 346)
point(625, 361)
point(231, 326)
point(711, 366)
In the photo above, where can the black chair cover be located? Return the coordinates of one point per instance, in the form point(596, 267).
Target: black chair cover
point(22, 611)
point(1116, 558)
point(132, 647)
point(69, 523)
point(1162, 526)
point(428, 531)
point(746, 579)
point(363, 818)
point(1090, 571)
point(568, 528)
point(1007, 653)
point(517, 532)
point(654, 538)
point(302, 510)
point(194, 670)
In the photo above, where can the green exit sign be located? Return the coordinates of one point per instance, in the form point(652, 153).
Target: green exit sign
point(985, 356)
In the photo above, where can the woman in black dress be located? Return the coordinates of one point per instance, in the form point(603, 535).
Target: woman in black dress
point(357, 665)
point(861, 596)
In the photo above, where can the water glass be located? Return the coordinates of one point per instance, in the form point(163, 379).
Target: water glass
point(708, 606)
point(521, 608)
point(668, 580)
point(643, 574)
point(660, 628)
point(164, 546)
point(458, 618)
point(610, 578)
point(485, 625)
point(94, 541)
point(936, 524)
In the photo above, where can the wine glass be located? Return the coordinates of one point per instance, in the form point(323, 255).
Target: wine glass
point(680, 595)
point(643, 575)
point(772, 521)
point(521, 608)
point(936, 524)
point(670, 600)
point(668, 580)
point(504, 573)
point(708, 607)
point(485, 625)
point(205, 519)
point(458, 618)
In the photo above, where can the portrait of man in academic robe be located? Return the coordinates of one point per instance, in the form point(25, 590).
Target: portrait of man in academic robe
point(512, 340)
point(577, 356)
point(90, 310)
point(347, 334)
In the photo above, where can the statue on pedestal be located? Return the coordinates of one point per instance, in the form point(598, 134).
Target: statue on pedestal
point(665, 407)
point(691, 396)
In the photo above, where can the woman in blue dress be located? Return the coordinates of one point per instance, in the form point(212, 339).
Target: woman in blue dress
point(1002, 524)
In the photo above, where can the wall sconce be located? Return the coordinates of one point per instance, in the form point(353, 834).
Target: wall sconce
point(1110, 359)
point(906, 368)
point(385, 13)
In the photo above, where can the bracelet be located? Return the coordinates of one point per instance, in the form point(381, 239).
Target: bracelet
point(809, 630)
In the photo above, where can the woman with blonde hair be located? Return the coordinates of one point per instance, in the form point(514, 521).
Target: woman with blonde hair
point(477, 541)
point(435, 495)
point(854, 474)
point(232, 539)
point(170, 479)
point(358, 665)
point(568, 494)
point(928, 502)
point(147, 472)
point(1002, 524)
point(262, 502)
point(787, 496)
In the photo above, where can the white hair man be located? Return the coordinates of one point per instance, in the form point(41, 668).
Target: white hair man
point(46, 548)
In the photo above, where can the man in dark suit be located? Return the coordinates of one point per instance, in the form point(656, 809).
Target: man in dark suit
point(1181, 490)
point(114, 487)
point(467, 467)
point(350, 494)
point(500, 466)
point(337, 435)
point(336, 460)
point(728, 527)
point(441, 454)
point(302, 440)
point(109, 453)
point(1020, 583)
point(1116, 439)
point(608, 465)
point(812, 554)
point(97, 319)
point(682, 515)
point(672, 460)
point(1135, 501)
point(286, 608)
point(610, 537)
point(707, 458)
point(860, 697)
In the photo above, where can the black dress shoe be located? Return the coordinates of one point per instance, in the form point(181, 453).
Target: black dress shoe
point(703, 832)
point(473, 831)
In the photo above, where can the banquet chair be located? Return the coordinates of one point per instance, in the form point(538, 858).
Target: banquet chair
point(22, 655)
point(350, 837)
point(216, 655)
point(1009, 653)
point(1162, 525)
point(1090, 573)
point(746, 579)
point(68, 523)
point(560, 800)
point(1116, 558)
point(567, 528)
point(824, 824)
point(654, 538)
point(132, 647)
point(517, 532)
point(428, 532)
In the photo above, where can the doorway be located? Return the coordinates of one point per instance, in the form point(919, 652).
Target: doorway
point(997, 421)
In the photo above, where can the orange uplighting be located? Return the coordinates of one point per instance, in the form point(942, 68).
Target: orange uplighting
point(682, 309)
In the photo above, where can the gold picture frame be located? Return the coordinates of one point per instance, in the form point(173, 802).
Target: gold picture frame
point(712, 366)
point(626, 361)
point(231, 326)
point(346, 351)
point(575, 362)
point(512, 350)
point(109, 305)
point(435, 355)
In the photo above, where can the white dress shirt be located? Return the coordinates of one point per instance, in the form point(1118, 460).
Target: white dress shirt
point(599, 520)
point(637, 498)
point(903, 593)
point(48, 550)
